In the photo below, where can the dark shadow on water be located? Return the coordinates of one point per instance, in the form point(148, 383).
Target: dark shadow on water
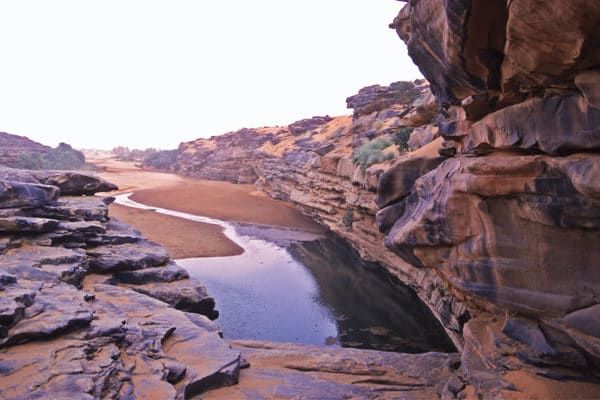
point(373, 310)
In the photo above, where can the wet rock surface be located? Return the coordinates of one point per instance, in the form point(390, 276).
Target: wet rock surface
point(89, 309)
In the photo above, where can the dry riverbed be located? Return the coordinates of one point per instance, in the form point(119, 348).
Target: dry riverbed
point(220, 200)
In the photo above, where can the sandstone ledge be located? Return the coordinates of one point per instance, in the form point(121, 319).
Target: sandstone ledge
point(97, 309)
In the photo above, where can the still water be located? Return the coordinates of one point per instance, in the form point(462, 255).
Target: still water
point(291, 286)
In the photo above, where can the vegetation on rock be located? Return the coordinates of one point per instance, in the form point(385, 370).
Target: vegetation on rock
point(371, 153)
point(401, 136)
point(63, 157)
point(162, 159)
point(125, 154)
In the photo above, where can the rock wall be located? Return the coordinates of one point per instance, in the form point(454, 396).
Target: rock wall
point(511, 217)
point(89, 308)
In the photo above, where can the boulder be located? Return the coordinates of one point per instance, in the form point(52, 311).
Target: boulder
point(127, 256)
point(187, 295)
point(56, 308)
point(308, 124)
point(169, 273)
point(422, 136)
point(27, 225)
point(377, 98)
point(69, 182)
point(16, 194)
point(74, 209)
point(73, 183)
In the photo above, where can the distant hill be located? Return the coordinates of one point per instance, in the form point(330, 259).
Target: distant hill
point(22, 152)
point(13, 146)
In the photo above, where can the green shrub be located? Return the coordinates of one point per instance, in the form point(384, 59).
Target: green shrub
point(401, 136)
point(371, 153)
point(347, 219)
point(63, 157)
point(162, 159)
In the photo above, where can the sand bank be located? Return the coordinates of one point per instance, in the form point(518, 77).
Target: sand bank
point(220, 200)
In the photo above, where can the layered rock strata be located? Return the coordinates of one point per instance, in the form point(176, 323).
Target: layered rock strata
point(510, 217)
point(89, 308)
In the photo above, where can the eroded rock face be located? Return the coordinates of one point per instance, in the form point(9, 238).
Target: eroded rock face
point(506, 51)
point(511, 219)
point(100, 311)
point(377, 98)
point(470, 217)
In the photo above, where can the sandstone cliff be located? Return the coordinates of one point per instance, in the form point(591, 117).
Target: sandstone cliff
point(511, 218)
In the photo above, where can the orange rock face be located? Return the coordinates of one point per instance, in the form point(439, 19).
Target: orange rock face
point(512, 218)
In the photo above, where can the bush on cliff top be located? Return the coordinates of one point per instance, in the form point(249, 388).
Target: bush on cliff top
point(371, 153)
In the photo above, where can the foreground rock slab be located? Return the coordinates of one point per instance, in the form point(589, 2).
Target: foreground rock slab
point(280, 370)
point(90, 309)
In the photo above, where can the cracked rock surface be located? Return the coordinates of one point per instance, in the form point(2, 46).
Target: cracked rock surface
point(89, 309)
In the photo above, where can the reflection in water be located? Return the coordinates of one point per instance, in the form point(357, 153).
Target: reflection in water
point(291, 286)
point(264, 294)
point(372, 309)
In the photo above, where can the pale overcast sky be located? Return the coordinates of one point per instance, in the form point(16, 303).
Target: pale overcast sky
point(153, 73)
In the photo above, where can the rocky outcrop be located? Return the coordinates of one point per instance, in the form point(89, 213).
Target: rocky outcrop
point(377, 98)
point(308, 124)
point(12, 146)
point(205, 158)
point(100, 311)
point(510, 219)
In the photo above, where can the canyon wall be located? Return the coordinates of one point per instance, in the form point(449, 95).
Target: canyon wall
point(511, 218)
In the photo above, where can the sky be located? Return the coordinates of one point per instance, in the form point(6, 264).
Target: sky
point(154, 73)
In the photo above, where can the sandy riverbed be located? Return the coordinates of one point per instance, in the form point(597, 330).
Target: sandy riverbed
point(220, 200)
